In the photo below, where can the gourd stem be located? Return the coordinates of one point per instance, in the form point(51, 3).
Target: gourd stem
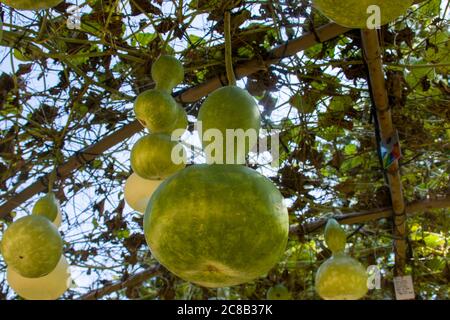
point(51, 179)
point(228, 56)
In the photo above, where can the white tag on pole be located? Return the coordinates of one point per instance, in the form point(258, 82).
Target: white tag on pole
point(404, 289)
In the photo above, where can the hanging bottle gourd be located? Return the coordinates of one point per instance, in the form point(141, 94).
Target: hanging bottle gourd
point(152, 155)
point(340, 277)
point(156, 109)
point(229, 110)
point(167, 72)
point(33, 250)
point(218, 225)
point(32, 246)
point(48, 206)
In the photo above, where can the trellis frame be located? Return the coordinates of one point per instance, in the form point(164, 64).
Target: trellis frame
point(373, 58)
point(190, 95)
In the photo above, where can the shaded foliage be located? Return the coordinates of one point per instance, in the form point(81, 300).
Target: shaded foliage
point(78, 86)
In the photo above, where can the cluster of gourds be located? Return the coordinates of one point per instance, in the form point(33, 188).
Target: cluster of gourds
point(215, 225)
point(152, 155)
point(210, 223)
point(32, 248)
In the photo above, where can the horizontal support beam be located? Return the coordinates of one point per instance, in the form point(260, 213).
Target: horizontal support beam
point(134, 280)
point(370, 215)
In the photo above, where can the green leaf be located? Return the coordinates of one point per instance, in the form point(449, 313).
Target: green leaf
point(305, 103)
point(314, 50)
point(430, 8)
point(89, 25)
point(122, 234)
point(10, 109)
point(350, 149)
point(143, 39)
point(246, 52)
point(352, 163)
point(97, 163)
point(330, 132)
point(434, 240)
point(80, 109)
point(340, 103)
point(201, 75)
point(195, 40)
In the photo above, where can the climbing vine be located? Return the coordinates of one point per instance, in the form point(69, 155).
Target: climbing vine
point(64, 90)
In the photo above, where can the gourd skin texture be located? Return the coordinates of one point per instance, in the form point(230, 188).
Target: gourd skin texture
point(31, 4)
point(138, 191)
point(151, 157)
point(353, 13)
point(335, 236)
point(217, 225)
point(58, 220)
point(341, 278)
point(157, 111)
point(32, 246)
point(167, 72)
point(229, 107)
point(181, 122)
point(47, 206)
point(49, 287)
point(19, 55)
point(278, 292)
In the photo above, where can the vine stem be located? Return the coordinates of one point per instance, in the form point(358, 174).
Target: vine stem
point(228, 56)
point(52, 178)
point(58, 144)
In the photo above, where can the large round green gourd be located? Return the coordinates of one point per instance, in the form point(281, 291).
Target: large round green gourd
point(232, 108)
point(341, 278)
point(151, 157)
point(217, 225)
point(353, 13)
point(32, 246)
point(31, 4)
